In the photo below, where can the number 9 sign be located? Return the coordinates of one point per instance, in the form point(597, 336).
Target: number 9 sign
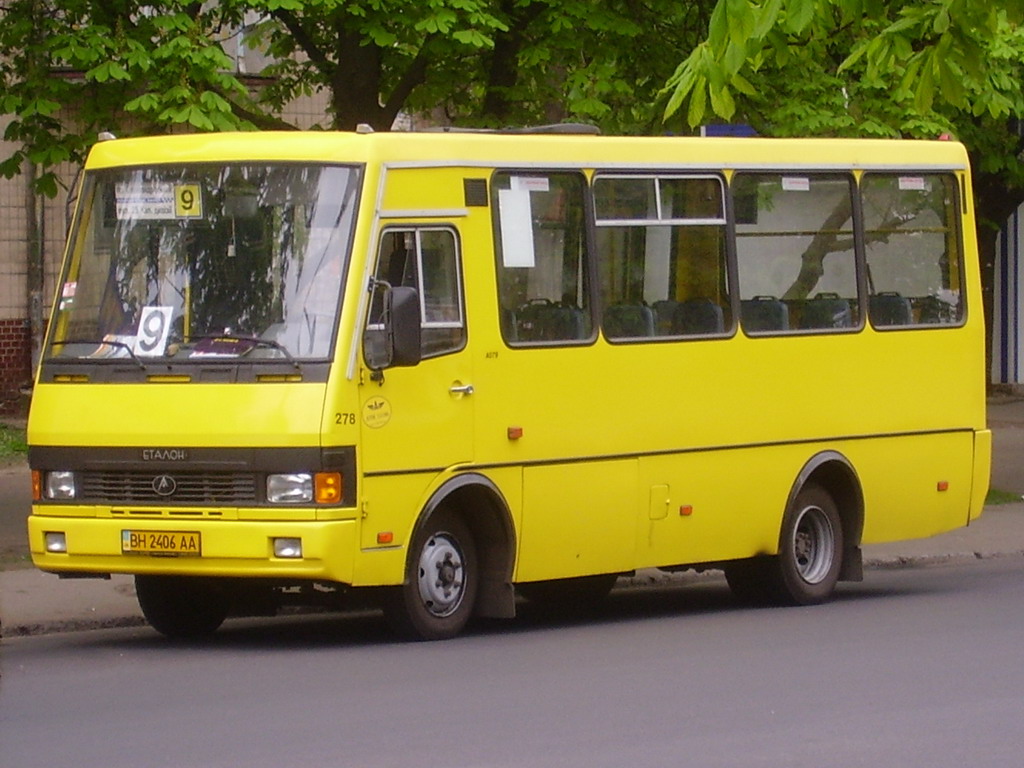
point(188, 201)
point(154, 326)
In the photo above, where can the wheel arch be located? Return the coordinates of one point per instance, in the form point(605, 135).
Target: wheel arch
point(478, 502)
point(835, 473)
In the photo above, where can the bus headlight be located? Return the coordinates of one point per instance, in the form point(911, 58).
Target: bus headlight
point(293, 488)
point(60, 485)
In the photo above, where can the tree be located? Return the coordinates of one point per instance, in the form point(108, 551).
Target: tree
point(872, 68)
point(75, 67)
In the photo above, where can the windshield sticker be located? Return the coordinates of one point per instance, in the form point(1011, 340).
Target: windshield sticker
point(796, 184)
point(531, 183)
point(158, 201)
point(222, 346)
point(154, 326)
point(67, 295)
point(912, 184)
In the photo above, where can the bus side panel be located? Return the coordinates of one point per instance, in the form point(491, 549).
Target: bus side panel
point(715, 505)
point(579, 519)
point(914, 486)
point(393, 504)
point(728, 504)
point(982, 471)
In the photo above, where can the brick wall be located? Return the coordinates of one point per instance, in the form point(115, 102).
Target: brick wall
point(15, 363)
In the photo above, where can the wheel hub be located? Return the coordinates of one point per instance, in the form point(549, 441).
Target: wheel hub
point(813, 545)
point(441, 575)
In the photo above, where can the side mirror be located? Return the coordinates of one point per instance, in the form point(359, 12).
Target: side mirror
point(402, 325)
point(395, 340)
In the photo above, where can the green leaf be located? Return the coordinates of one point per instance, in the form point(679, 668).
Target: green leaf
point(698, 102)
point(742, 85)
point(767, 16)
point(741, 20)
point(718, 27)
point(147, 102)
point(799, 14)
point(722, 103)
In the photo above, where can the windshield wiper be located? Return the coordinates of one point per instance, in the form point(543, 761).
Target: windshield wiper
point(109, 342)
point(254, 340)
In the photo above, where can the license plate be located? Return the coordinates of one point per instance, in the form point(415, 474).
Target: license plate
point(177, 543)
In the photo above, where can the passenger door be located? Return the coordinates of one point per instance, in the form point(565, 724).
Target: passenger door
point(420, 418)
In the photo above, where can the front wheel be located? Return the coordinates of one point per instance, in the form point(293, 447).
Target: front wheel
point(441, 581)
point(182, 607)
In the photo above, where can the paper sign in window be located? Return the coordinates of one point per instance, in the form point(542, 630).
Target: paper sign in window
point(516, 228)
point(154, 326)
point(796, 184)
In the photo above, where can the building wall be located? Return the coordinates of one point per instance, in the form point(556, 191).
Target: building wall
point(16, 363)
point(1007, 304)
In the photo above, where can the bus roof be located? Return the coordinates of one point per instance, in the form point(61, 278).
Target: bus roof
point(479, 149)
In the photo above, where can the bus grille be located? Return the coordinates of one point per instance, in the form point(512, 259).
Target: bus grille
point(189, 488)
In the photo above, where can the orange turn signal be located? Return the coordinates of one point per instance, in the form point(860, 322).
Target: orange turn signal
point(37, 485)
point(327, 487)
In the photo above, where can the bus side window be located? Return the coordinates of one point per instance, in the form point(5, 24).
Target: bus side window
point(543, 274)
point(427, 259)
point(795, 251)
point(661, 249)
point(912, 244)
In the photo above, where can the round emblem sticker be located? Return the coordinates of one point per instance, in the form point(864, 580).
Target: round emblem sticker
point(376, 412)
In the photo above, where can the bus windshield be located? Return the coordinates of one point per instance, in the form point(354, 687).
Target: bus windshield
point(182, 263)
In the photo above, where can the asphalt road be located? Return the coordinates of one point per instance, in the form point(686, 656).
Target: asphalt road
point(917, 667)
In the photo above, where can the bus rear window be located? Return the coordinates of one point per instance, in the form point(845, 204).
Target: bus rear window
point(913, 249)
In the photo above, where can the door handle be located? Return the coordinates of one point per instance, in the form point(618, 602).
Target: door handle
point(461, 389)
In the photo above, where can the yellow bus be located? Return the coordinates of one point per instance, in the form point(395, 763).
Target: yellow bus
point(449, 370)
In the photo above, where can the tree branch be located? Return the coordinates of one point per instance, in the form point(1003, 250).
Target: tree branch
point(305, 41)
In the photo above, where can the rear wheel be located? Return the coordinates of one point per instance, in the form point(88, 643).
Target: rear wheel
point(441, 582)
point(182, 607)
point(806, 569)
point(580, 593)
point(811, 548)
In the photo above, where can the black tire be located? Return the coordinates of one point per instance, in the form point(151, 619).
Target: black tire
point(806, 569)
point(182, 607)
point(750, 581)
point(581, 593)
point(441, 582)
point(810, 549)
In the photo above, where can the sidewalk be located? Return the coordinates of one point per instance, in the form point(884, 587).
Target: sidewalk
point(32, 602)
